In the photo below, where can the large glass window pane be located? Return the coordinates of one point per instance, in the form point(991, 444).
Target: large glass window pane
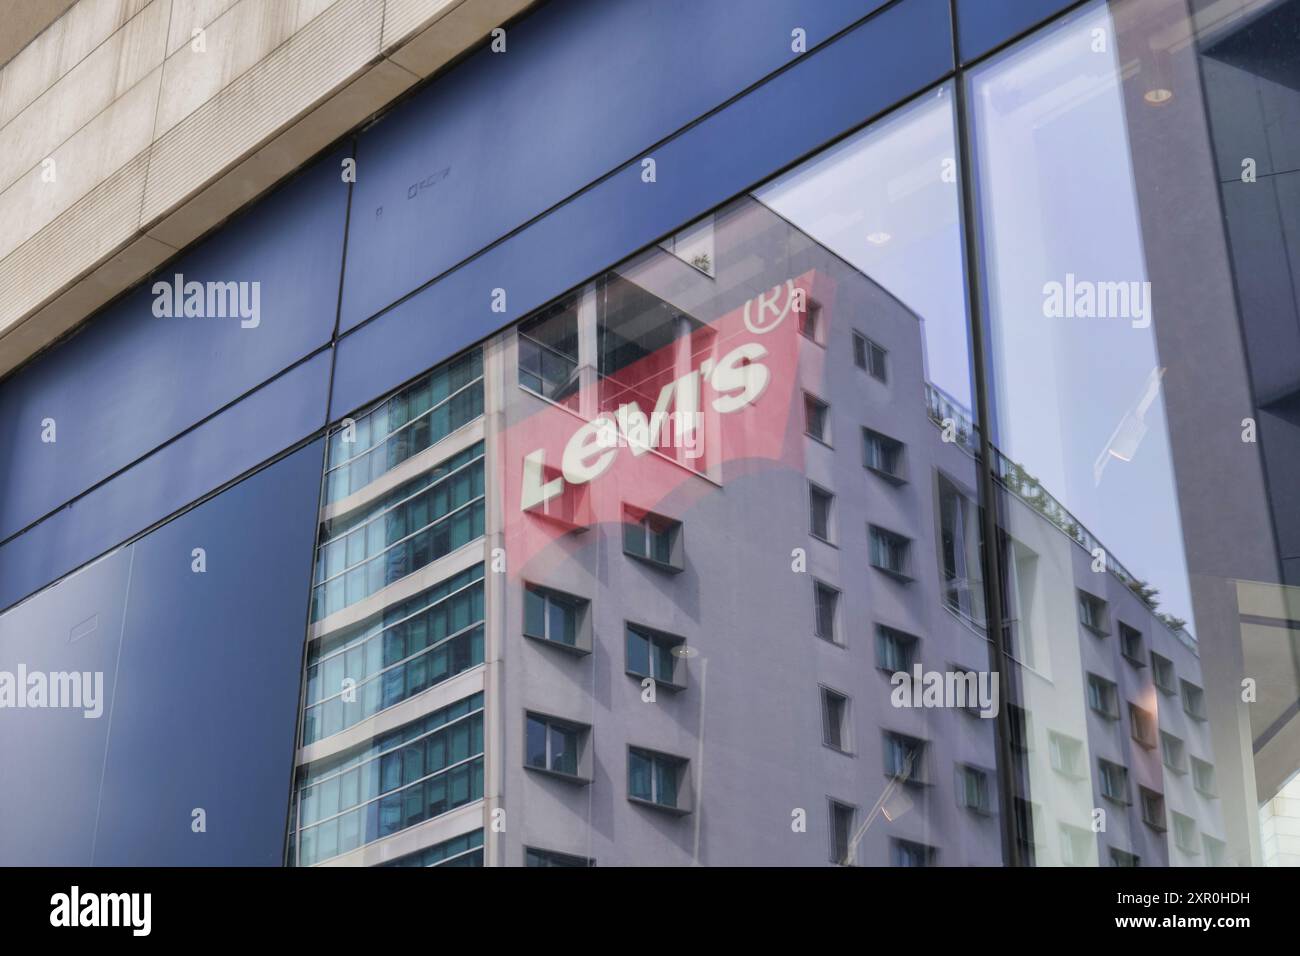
point(1132, 501)
point(886, 201)
point(841, 279)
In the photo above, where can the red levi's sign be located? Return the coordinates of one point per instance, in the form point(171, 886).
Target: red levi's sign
point(658, 434)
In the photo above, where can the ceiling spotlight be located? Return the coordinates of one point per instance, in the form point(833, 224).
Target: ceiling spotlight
point(1157, 71)
point(878, 238)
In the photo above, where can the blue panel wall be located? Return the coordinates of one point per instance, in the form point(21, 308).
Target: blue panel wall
point(130, 381)
point(51, 760)
point(207, 692)
point(274, 417)
point(582, 87)
point(904, 49)
point(200, 674)
point(983, 24)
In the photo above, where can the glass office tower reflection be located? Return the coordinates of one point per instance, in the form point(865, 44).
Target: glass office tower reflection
point(397, 614)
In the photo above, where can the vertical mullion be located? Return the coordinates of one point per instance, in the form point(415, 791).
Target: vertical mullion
point(991, 550)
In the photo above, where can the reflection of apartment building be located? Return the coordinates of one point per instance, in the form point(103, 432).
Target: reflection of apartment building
point(680, 660)
point(1112, 708)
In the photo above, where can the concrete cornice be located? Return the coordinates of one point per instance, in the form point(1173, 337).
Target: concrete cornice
point(129, 128)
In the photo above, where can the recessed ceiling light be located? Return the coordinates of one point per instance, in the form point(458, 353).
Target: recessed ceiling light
point(878, 238)
point(1158, 96)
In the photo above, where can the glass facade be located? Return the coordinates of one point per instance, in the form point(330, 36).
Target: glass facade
point(908, 508)
point(425, 519)
point(420, 415)
point(461, 851)
point(408, 648)
point(399, 508)
point(395, 781)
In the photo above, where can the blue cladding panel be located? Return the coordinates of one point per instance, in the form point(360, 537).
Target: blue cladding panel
point(903, 50)
point(52, 759)
point(583, 86)
point(983, 24)
point(200, 688)
point(207, 693)
point(274, 417)
point(130, 381)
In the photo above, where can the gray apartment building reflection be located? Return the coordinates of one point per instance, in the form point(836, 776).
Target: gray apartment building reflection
point(697, 666)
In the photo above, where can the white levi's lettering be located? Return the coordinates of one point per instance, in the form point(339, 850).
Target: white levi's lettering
point(739, 378)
